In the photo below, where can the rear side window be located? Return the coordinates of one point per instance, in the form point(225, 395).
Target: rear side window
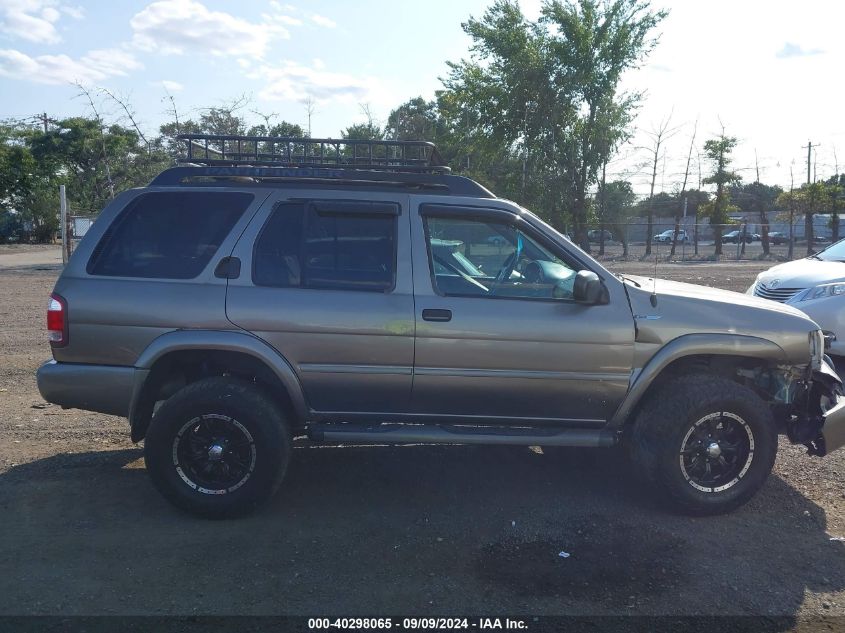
point(167, 235)
point(340, 246)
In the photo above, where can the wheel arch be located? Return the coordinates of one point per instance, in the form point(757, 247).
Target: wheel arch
point(184, 356)
point(695, 351)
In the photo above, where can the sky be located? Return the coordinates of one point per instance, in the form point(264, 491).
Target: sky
point(770, 72)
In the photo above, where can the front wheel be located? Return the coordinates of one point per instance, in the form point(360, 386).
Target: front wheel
point(218, 447)
point(705, 443)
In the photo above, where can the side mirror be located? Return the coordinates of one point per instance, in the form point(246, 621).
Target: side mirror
point(589, 289)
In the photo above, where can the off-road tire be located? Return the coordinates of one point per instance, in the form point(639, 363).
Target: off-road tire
point(244, 410)
point(655, 440)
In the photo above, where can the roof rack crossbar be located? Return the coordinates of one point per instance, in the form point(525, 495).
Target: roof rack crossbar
point(285, 151)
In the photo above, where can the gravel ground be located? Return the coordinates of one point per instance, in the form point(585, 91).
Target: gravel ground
point(378, 530)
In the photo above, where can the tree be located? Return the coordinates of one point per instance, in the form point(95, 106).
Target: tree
point(810, 199)
point(363, 132)
point(548, 91)
point(756, 199)
point(93, 162)
point(414, 120)
point(718, 152)
point(683, 206)
point(17, 165)
point(618, 201)
point(836, 187)
point(658, 135)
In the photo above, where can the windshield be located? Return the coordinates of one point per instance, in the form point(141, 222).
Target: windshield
point(833, 253)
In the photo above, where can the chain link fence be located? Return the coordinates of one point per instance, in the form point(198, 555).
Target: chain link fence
point(697, 241)
point(78, 226)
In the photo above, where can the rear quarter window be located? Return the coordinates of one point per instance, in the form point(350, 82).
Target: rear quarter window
point(167, 235)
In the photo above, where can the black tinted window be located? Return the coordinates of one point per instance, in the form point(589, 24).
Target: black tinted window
point(301, 247)
point(168, 235)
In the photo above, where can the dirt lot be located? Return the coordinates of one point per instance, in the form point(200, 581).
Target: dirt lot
point(376, 530)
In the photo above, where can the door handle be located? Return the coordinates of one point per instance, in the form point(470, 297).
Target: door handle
point(436, 315)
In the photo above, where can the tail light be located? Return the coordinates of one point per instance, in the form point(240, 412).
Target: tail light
point(57, 320)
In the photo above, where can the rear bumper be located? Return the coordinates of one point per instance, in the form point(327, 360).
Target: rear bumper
point(100, 388)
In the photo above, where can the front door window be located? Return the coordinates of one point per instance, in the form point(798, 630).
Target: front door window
point(481, 258)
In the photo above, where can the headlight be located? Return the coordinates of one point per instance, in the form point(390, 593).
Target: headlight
point(825, 290)
point(816, 348)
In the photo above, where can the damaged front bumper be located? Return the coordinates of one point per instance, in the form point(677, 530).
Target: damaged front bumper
point(818, 414)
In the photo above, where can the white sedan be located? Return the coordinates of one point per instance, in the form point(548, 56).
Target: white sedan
point(816, 286)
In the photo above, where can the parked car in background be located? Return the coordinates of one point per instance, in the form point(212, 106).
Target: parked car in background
point(595, 235)
point(666, 236)
point(735, 236)
point(816, 286)
point(777, 238)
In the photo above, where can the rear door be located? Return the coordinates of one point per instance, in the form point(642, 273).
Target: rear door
point(326, 280)
point(499, 337)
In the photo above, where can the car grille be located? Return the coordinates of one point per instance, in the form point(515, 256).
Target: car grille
point(775, 294)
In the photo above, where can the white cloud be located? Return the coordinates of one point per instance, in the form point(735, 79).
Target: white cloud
point(94, 66)
point(32, 20)
point(795, 50)
point(281, 18)
point(530, 8)
point(172, 86)
point(77, 13)
point(174, 27)
point(321, 20)
point(292, 81)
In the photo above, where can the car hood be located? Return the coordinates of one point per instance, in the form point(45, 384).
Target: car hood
point(683, 309)
point(803, 273)
point(680, 290)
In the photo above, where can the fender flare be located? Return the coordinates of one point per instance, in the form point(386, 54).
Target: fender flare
point(224, 341)
point(693, 345)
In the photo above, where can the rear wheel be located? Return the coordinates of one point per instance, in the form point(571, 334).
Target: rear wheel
point(218, 448)
point(705, 443)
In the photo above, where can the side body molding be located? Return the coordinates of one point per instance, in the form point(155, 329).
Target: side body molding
point(224, 341)
point(693, 345)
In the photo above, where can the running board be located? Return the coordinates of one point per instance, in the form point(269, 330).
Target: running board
point(449, 434)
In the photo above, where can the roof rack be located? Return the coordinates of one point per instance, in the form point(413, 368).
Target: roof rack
point(286, 151)
point(343, 177)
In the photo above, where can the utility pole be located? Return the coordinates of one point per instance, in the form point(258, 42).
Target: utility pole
point(808, 215)
point(809, 147)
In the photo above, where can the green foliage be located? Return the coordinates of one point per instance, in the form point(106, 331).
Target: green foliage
point(753, 197)
point(544, 96)
point(718, 151)
point(363, 132)
point(11, 226)
point(414, 120)
point(95, 163)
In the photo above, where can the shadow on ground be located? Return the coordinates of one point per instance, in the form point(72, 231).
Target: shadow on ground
point(410, 530)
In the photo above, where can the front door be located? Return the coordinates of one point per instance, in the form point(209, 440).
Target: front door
point(499, 336)
point(327, 282)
